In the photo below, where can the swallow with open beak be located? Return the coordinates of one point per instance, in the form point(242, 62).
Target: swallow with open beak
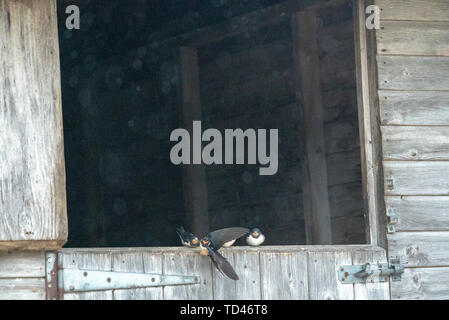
point(187, 239)
point(255, 237)
point(215, 240)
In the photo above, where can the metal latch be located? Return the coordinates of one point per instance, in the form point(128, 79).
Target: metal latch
point(371, 272)
point(61, 280)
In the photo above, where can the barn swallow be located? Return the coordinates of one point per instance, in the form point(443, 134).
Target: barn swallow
point(215, 240)
point(187, 239)
point(255, 237)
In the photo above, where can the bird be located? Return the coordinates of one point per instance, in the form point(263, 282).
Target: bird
point(211, 243)
point(187, 239)
point(255, 237)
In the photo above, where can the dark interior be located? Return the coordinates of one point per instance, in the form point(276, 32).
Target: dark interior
point(121, 100)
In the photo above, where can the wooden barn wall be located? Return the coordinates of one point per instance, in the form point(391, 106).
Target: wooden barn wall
point(287, 272)
point(413, 69)
point(341, 129)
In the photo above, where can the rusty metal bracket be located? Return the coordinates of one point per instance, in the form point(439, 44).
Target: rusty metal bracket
point(392, 220)
point(51, 275)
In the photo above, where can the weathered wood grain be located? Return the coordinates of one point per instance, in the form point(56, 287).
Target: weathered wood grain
point(370, 291)
point(89, 260)
point(314, 177)
point(420, 249)
point(22, 289)
point(414, 108)
point(416, 177)
point(413, 38)
point(284, 275)
point(418, 10)
point(417, 213)
point(32, 171)
point(323, 276)
point(128, 262)
point(413, 73)
point(415, 143)
point(422, 284)
point(22, 264)
point(152, 263)
point(189, 262)
point(246, 265)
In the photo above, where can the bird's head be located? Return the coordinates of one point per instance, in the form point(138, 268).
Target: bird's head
point(255, 232)
point(195, 241)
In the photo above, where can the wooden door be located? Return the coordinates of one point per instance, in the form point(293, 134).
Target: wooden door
point(269, 273)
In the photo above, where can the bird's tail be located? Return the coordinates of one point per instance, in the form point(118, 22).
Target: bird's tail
point(180, 231)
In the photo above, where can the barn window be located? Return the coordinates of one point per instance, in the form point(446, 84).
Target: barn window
point(137, 70)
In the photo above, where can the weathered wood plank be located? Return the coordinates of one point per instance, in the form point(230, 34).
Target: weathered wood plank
point(323, 276)
point(22, 264)
point(413, 38)
point(188, 262)
point(128, 262)
point(416, 177)
point(308, 80)
point(194, 176)
point(413, 73)
point(420, 213)
point(415, 143)
point(284, 275)
point(100, 259)
point(414, 108)
point(418, 10)
point(152, 263)
point(248, 287)
point(32, 182)
point(370, 291)
point(22, 289)
point(422, 284)
point(420, 249)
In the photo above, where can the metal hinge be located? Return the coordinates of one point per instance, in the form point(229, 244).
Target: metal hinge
point(371, 272)
point(60, 280)
point(392, 220)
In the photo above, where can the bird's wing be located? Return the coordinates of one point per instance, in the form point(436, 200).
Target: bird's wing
point(222, 264)
point(221, 236)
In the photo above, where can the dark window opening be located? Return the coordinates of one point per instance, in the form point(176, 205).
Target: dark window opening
point(122, 96)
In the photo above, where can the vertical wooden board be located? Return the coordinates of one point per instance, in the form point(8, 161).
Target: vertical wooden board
point(89, 260)
point(194, 175)
point(420, 249)
point(307, 75)
point(188, 263)
point(414, 107)
point(371, 291)
point(413, 38)
point(323, 275)
point(225, 288)
point(418, 10)
point(422, 284)
point(416, 177)
point(413, 73)
point(152, 262)
point(128, 262)
point(22, 289)
point(32, 171)
point(415, 142)
point(417, 213)
point(22, 264)
point(284, 275)
point(246, 265)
